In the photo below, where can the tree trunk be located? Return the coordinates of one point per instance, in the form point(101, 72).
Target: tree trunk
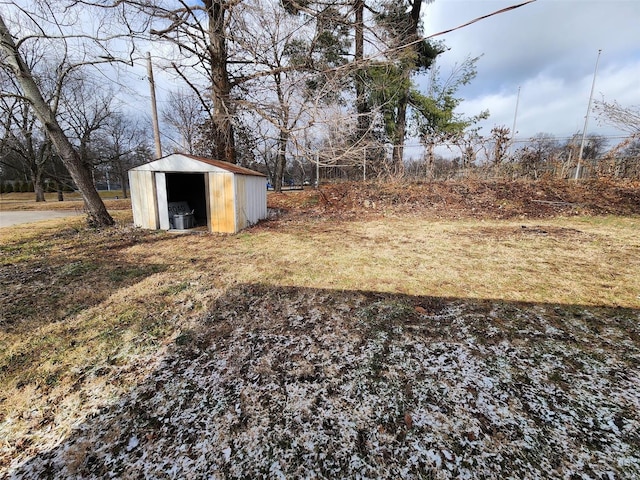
point(403, 102)
point(123, 182)
point(122, 173)
point(431, 156)
point(281, 161)
point(38, 187)
point(397, 164)
point(223, 134)
point(36, 171)
point(362, 106)
point(96, 210)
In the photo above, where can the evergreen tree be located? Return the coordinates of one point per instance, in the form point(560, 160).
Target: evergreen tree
point(393, 88)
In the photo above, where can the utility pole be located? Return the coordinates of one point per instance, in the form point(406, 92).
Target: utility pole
point(154, 108)
point(364, 165)
point(515, 117)
point(586, 120)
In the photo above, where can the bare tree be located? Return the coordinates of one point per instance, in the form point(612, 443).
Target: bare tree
point(201, 32)
point(363, 109)
point(121, 145)
point(623, 160)
point(219, 53)
point(46, 110)
point(537, 156)
point(470, 143)
point(290, 49)
point(627, 119)
point(594, 147)
point(186, 114)
point(84, 111)
point(628, 159)
point(25, 147)
point(498, 144)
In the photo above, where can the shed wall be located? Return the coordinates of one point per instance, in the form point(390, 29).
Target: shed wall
point(241, 197)
point(251, 200)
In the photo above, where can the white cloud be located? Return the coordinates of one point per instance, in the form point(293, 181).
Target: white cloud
point(552, 105)
point(548, 49)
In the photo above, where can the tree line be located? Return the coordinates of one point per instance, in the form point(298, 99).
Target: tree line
point(108, 141)
point(265, 78)
point(267, 84)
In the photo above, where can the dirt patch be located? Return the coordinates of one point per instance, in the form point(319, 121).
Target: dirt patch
point(531, 231)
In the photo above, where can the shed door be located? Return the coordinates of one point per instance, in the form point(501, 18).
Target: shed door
point(143, 199)
point(161, 192)
point(222, 202)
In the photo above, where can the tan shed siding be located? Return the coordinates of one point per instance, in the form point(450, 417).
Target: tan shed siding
point(143, 199)
point(221, 194)
point(229, 204)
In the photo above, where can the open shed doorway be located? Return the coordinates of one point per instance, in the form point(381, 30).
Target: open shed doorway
point(189, 188)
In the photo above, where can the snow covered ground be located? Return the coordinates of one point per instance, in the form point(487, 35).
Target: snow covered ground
point(305, 383)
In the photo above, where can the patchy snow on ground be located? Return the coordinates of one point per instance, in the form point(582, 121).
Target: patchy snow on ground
point(302, 383)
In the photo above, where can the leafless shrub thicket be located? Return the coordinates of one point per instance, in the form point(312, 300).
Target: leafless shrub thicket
point(542, 156)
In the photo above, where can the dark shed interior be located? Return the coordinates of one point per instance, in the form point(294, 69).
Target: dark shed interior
point(190, 188)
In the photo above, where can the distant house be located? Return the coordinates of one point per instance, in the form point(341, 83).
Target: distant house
point(219, 195)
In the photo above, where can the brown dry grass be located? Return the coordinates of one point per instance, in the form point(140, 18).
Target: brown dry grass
point(72, 201)
point(85, 309)
point(584, 261)
point(81, 290)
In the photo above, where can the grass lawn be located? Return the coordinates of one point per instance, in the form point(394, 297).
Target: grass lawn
point(309, 347)
point(72, 201)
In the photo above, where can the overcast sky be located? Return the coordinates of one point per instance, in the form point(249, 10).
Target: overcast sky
point(549, 49)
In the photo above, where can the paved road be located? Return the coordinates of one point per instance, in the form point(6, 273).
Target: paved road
point(8, 219)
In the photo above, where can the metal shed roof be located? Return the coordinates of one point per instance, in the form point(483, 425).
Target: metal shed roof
point(182, 162)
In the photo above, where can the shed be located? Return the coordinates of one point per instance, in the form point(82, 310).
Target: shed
point(223, 196)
